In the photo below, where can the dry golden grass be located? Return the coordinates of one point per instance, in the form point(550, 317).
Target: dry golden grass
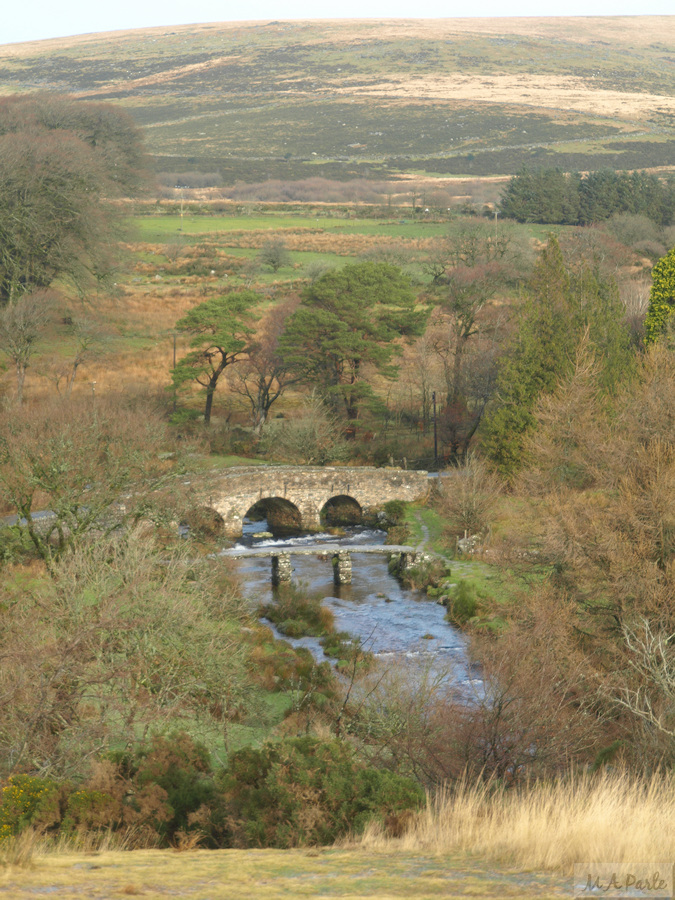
point(151, 308)
point(309, 240)
point(609, 817)
point(538, 91)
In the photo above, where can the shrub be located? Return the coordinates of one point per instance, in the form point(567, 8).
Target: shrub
point(662, 297)
point(462, 604)
point(468, 498)
point(92, 810)
point(278, 666)
point(182, 769)
point(304, 791)
point(27, 801)
point(14, 544)
point(347, 650)
point(428, 571)
point(633, 229)
point(296, 615)
point(395, 511)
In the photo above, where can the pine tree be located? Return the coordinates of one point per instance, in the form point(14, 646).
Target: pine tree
point(221, 330)
point(347, 327)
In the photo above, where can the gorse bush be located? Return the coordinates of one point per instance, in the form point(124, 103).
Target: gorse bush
point(294, 792)
point(182, 769)
point(26, 801)
point(90, 811)
point(305, 791)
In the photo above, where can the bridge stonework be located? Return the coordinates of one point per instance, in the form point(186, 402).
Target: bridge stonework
point(234, 491)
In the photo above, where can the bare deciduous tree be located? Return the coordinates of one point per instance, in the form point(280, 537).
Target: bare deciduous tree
point(262, 377)
point(58, 159)
point(22, 324)
point(468, 497)
point(314, 438)
point(651, 694)
point(93, 463)
point(88, 340)
point(274, 254)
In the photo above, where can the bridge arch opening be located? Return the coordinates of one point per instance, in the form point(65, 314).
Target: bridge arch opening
point(342, 510)
point(283, 517)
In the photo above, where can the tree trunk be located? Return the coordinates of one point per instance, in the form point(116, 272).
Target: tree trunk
point(20, 379)
point(457, 370)
point(210, 391)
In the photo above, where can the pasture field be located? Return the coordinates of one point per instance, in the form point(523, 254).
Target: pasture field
point(157, 228)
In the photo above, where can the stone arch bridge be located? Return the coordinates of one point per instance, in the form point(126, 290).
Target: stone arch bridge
point(304, 491)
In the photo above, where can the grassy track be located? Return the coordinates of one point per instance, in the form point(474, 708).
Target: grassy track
point(267, 874)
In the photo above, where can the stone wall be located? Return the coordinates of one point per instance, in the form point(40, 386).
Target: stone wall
point(233, 492)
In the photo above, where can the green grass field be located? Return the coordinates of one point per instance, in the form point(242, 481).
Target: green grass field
point(161, 228)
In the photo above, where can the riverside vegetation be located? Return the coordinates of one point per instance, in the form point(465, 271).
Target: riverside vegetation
point(144, 705)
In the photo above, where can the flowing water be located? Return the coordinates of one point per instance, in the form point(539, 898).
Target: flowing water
point(398, 625)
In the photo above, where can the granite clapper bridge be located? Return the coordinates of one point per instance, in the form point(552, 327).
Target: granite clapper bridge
point(282, 570)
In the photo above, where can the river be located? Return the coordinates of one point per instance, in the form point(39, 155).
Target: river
point(398, 625)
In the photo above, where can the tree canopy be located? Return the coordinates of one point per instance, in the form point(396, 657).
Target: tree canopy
point(661, 297)
point(563, 306)
point(554, 197)
point(59, 159)
point(221, 332)
point(348, 323)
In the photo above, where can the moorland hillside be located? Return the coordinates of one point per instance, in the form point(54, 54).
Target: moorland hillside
point(377, 99)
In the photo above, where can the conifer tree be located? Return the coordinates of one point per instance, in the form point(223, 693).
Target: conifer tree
point(563, 307)
point(541, 354)
point(661, 298)
point(347, 327)
point(221, 331)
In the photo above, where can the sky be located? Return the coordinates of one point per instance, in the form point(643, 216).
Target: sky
point(31, 20)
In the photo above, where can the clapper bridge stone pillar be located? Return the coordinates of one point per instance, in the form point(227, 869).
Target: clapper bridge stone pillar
point(282, 570)
point(342, 567)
